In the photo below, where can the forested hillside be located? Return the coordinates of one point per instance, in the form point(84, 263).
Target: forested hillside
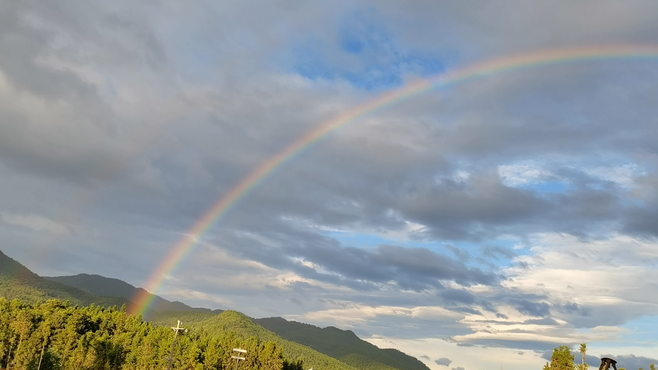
point(317, 348)
point(341, 344)
point(244, 327)
point(56, 336)
point(17, 282)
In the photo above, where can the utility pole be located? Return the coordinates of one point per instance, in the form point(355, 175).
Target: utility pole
point(173, 345)
point(238, 358)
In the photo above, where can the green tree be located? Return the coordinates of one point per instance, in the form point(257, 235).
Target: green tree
point(583, 352)
point(652, 367)
point(23, 325)
point(271, 357)
point(57, 336)
point(562, 359)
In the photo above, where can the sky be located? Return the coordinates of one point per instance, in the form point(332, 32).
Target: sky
point(474, 225)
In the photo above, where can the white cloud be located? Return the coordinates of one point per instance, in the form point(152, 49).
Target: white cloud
point(611, 277)
point(523, 173)
point(202, 299)
point(622, 175)
point(37, 223)
point(463, 356)
point(352, 315)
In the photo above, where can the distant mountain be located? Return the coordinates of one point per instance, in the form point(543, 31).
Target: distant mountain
point(18, 282)
point(100, 285)
point(343, 345)
point(244, 327)
point(409, 362)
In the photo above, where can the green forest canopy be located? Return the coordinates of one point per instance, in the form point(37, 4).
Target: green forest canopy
point(57, 336)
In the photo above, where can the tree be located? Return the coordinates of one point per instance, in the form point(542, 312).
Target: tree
point(583, 352)
point(652, 367)
point(57, 336)
point(562, 359)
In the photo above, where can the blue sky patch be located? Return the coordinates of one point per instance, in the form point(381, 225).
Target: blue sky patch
point(365, 54)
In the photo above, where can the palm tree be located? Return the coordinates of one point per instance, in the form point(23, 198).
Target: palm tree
point(583, 352)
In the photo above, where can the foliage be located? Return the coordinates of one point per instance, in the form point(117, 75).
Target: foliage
point(583, 353)
point(363, 362)
point(562, 359)
point(408, 362)
point(340, 350)
point(57, 336)
point(243, 328)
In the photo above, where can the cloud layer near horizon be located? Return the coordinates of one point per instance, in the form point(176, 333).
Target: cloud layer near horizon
point(516, 211)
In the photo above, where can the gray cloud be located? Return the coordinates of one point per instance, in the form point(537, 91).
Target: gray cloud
point(633, 362)
point(458, 295)
point(544, 321)
point(408, 268)
point(443, 361)
point(532, 308)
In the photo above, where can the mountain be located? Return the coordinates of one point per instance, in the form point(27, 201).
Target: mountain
point(343, 345)
point(409, 362)
point(244, 327)
point(103, 286)
point(18, 282)
point(320, 348)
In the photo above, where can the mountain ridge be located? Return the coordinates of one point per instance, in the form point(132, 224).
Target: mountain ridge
point(327, 348)
point(18, 282)
point(101, 285)
point(344, 345)
point(244, 327)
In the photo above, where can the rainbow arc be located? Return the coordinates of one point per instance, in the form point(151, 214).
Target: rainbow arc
point(475, 71)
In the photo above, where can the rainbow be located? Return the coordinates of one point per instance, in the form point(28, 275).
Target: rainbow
point(143, 301)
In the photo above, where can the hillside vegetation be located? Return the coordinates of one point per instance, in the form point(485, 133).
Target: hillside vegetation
point(329, 348)
point(56, 336)
point(244, 327)
point(17, 282)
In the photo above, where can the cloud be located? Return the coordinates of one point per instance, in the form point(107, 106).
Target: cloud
point(532, 308)
point(36, 223)
point(443, 361)
point(632, 361)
